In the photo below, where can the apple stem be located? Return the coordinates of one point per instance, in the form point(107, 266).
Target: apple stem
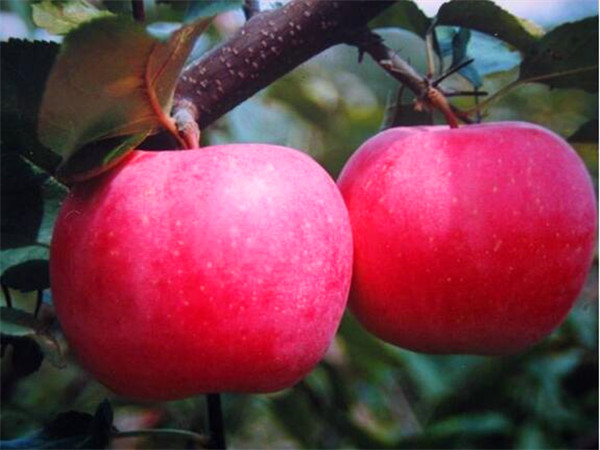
point(185, 117)
point(436, 99)
point(215, 422)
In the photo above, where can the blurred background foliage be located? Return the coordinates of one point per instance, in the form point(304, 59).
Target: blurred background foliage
point(365, 393)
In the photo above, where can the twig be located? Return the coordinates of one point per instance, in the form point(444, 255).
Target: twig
point(266, 48)
point(428, 96)
point(476, 93)
point(452, 70)
point(215, 422)
point(429, 47)
point(372, 44)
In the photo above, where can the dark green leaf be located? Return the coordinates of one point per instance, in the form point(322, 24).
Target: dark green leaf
point(404, 14)
point(29, 276)
point(20, 324)
point(61, 17)
point(30, 201)
point(71, 430)
point(565, 57)
point(101, 89)
point(26, 356)
point(24, 68)
point(208, 8)
point(489, 18)
point(97, 157)
point(588, 132)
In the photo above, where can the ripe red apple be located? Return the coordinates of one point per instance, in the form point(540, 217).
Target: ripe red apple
point(214, 270)
point(471, 240)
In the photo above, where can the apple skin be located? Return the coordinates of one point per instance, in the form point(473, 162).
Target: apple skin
point(223, 269)
point(474, 240)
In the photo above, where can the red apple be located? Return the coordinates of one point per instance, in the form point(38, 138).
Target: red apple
point(471, 240)
point(220, 269)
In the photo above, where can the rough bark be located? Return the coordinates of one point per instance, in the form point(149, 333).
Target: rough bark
point(267, 47)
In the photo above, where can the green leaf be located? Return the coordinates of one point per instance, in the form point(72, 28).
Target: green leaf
point(103, 88)
point(404, 14)
point(32, 275)
point(489, 18)
point(565, 57)
point(61, 17)
point(20, 98)
point(208, 8)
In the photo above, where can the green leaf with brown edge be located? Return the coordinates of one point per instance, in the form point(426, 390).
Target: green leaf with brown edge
point(111, 80)
point(60, 17)
point(489, 18)
point(404, 14)
point(566, 57)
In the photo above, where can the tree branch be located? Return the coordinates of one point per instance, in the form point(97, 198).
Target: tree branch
point(267, 47)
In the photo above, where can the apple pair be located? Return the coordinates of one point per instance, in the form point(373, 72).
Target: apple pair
point(228, 268)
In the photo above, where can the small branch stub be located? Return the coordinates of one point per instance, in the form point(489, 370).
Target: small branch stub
point(428, 95)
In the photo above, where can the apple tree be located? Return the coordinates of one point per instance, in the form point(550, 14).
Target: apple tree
point(95, 91)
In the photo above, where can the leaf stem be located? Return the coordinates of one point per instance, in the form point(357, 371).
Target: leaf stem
point(452, 70)
point(39, 301)
point(215, 422)
point(166, 432)
point(7, 297)
point(513, 84)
